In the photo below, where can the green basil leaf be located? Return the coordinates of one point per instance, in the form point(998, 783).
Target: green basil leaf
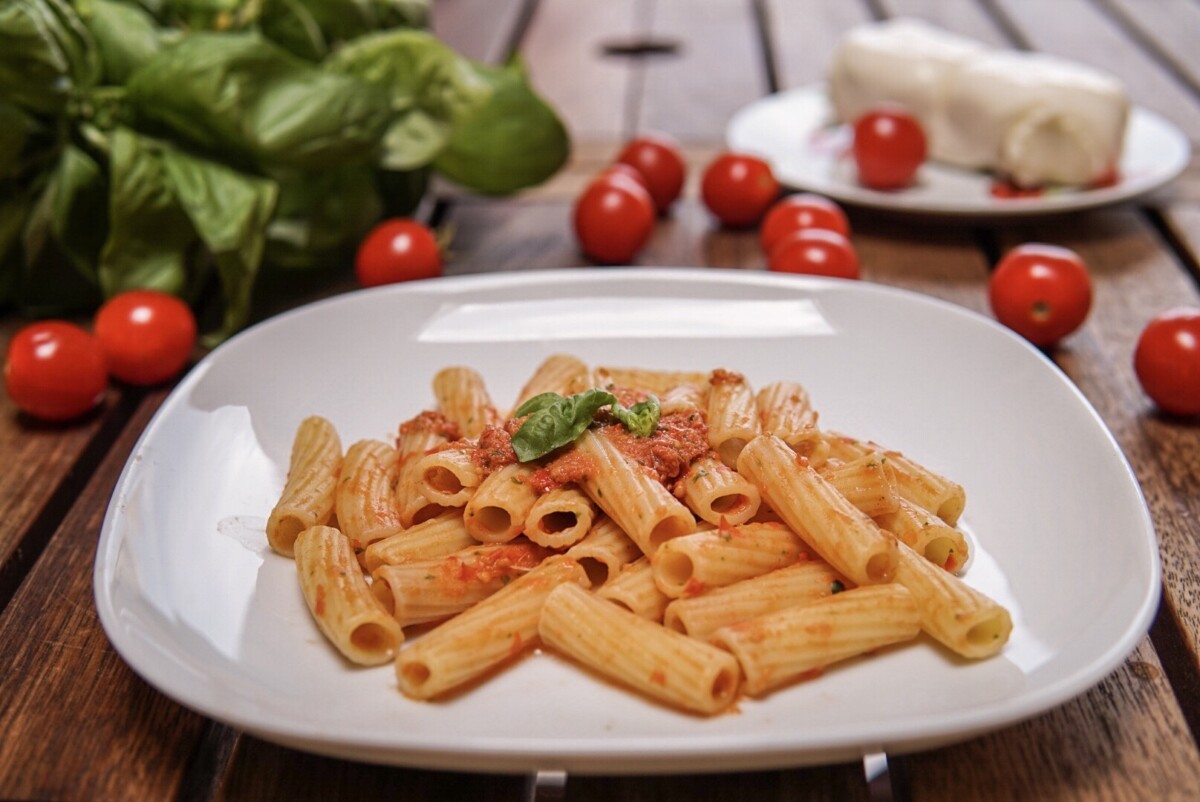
point(641, 418)
point(514, 141)
point(229, 210)
point(149, 232)
point(558, 424)
point(537, 404)
point(80, 208)
point(321, 217)
point(239, 95)
point(13, 211)
point(430, 89)
point(311, 29)
point(126, 36)
point(46, 55)
point(16, 130)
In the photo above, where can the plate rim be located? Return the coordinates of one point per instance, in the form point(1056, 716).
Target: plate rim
point(504, 755)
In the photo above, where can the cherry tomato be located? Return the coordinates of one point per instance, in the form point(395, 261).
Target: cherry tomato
point(146, 336)
point(625, 170)
point(1042, 292)
point(738, 188)
point(816, 252)
point(889, 147)
point(796, 212)
point(55, 371)
point(1167, 361)
point(657, 157)
point(396, 250)
point(613, 219)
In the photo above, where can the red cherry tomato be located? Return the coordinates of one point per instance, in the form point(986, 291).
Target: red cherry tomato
point(1042, 292)
point(816, 252)
point(625, 171)
point(796, 212)
point(146, 336)
point(738, 188)
point(657, 157)
point(889, 147)
point(613, 219)
point(1167, 361)
point(396, 250)
point(55, 371)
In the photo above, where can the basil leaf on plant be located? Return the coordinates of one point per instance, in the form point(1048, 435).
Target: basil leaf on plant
point(149, 232)
point(514, 141)
point(559, 423)
point(430, 89)
point(46, 55)
point(321, 217)
point(229, 211)
point(641, 418)
point(312, 29)
point(241, 95)
point(80, 208)
point(126, 36)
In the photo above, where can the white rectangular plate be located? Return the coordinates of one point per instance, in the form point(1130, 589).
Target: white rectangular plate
point(193, 599)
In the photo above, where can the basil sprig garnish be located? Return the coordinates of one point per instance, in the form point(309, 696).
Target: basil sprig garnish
point(555, 421)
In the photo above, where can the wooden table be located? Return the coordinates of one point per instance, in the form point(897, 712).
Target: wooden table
point(77, 724)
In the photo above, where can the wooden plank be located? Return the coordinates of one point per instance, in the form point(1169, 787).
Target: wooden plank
point(265, 770)
point(564, 48)
point(718, 69)
point(479, 29)
point(76, 722)
point(804, 34)
point(1113, 743)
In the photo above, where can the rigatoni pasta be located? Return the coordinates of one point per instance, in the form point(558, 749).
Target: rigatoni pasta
point(738, 545)
point(308, 497)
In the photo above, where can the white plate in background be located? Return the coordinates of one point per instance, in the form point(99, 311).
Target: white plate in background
point(797, 133)
point(194, 600)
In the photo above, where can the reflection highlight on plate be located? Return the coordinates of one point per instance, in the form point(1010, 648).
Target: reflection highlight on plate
point(608, 318)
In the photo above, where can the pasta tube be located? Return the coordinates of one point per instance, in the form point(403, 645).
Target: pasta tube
point(800, 583)
point(558, 373)
point(653, 381)
point(366, 508)
point(462, 397)
point(484, 636)
point(339, 599)
point(928, 535)
point(961, 618)
point(308, 496)
point(604, 551)
point(691, 564)
point(866, 483)
point(448, 477)
point(666, 665)
point(424, 433)
point(560, 518)
point(714, 492)
point(845, 537)
point(430, 590)
point(785, 410)
point(789, 644)
point(732, 415)
point(637, 502)
point(435, 537)
point(914, 481)
point(497, 511)
point(635, 590)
